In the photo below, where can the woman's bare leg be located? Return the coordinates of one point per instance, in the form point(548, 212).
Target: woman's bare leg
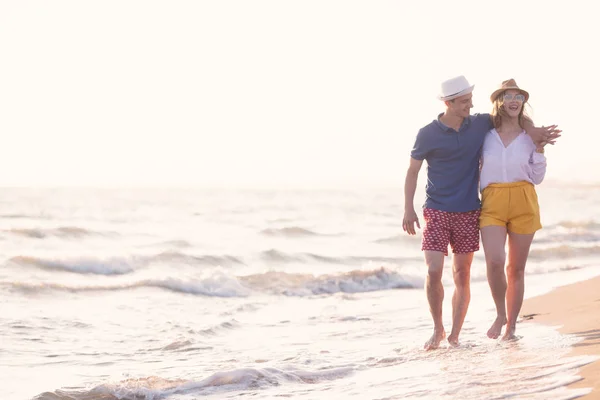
point(494, 243)
point(518, 251)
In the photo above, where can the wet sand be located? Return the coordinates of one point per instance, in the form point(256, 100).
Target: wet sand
point(576, 310)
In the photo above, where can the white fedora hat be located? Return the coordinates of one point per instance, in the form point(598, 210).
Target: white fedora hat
point(455, 87)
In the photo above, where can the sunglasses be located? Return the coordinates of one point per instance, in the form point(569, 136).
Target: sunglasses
point(516, 97)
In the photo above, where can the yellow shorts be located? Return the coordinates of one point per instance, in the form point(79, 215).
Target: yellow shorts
point(513, 205)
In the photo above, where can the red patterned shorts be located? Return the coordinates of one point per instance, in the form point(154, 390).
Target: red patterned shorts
point(459, 229)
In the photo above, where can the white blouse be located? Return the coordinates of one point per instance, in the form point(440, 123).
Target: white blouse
point(517, 162)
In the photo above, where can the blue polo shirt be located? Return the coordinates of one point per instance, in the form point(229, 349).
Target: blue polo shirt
point(452, 162)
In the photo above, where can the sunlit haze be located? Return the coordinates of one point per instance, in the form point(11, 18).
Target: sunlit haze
point(274, 93)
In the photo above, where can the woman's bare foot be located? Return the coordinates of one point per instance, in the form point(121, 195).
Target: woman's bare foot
point(434, 342)
point(453, 340)
point(496, 328)
point(510, 334)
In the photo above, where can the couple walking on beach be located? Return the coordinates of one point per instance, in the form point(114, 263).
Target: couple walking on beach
point(501, 155)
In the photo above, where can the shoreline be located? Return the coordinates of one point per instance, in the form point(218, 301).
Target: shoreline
point(576, 309)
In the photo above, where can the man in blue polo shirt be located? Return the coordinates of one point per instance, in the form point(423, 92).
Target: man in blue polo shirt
point(451, 144)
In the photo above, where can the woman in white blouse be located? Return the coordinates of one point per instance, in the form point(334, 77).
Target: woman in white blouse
point(512, 164)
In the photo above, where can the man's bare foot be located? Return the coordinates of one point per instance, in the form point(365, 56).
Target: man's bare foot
point(496, 328)
point(509, 335)
point(434, 342)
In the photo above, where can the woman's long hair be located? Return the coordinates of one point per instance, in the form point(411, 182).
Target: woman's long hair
point(498, 112)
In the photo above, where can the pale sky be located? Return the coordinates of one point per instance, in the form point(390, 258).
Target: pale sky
point(309, 93)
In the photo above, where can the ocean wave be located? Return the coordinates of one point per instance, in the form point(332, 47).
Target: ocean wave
point(119, 265)
point(182, 346)
point(570, 237)
point(218, 283)
point(67, 232)
point(570, 231)
point(219, 329)
point(276, 256)
point(243, 308)
point(23, 216)
point(122, 265)
point(349, 282)
point(113, 266)
point(154, 388)
point(176, 256)
point(396, 239)
point(176, 345)
point(175, 243)
point(292, 231)
point(279, 257)
point(590, 225)
point(563, 252)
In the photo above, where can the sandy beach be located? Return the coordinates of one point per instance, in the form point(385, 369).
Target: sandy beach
point(576, 310)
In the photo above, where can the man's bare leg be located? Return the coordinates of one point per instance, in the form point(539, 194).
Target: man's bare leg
point(518, 251)
point(435, 296)
point(461, 270)
point(494, 243)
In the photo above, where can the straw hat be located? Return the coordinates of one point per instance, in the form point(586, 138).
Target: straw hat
point(455, 87)
point(507, 85)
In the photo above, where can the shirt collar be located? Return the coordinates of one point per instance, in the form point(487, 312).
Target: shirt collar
point(446, 128)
